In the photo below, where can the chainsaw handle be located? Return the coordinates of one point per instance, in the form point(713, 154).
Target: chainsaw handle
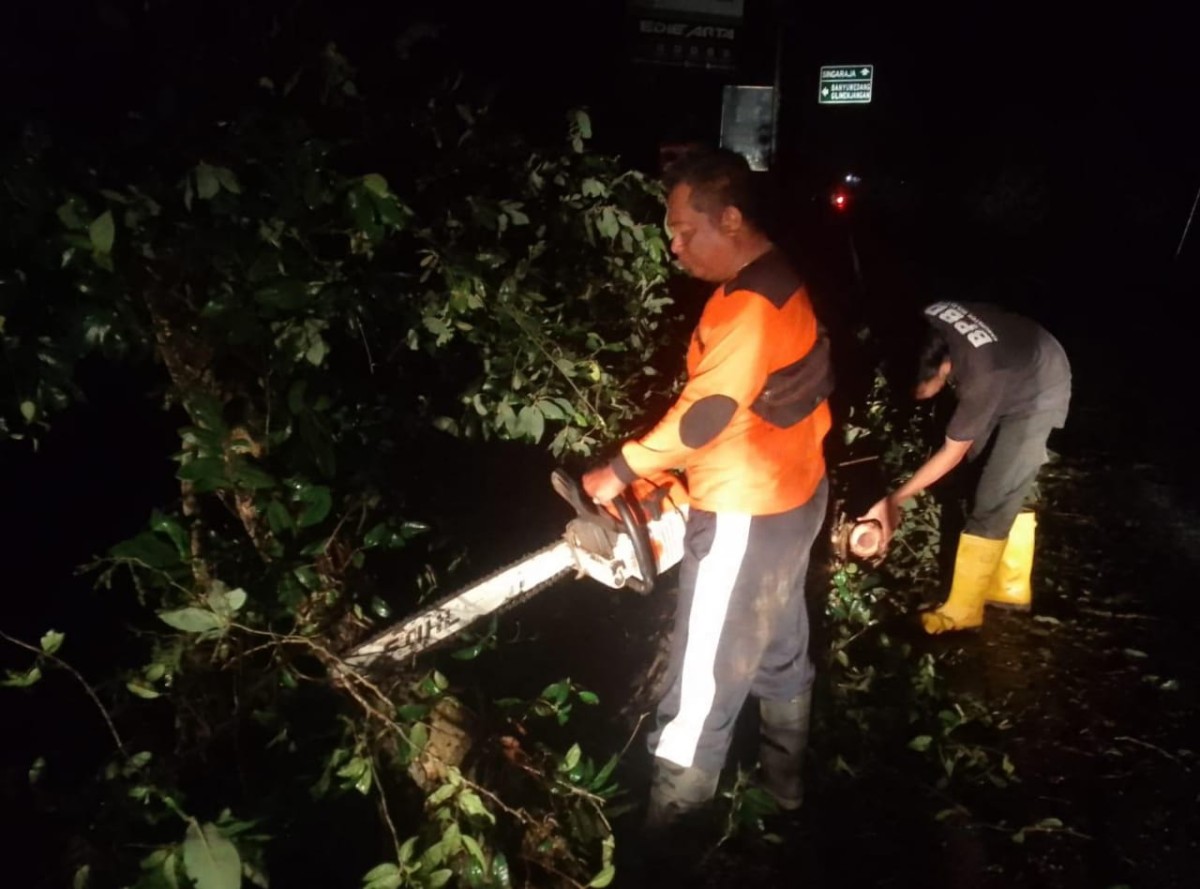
point(571, 491)
point(641, 547)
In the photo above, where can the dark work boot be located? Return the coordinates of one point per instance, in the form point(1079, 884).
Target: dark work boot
point(783, 735)
point(676, 791)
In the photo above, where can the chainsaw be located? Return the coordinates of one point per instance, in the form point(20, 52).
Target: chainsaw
point(625, 547)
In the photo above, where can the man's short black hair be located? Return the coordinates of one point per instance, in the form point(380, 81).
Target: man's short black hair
point(719, 178)
point(934, 351)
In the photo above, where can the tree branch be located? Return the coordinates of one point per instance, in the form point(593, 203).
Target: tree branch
point(91, 693)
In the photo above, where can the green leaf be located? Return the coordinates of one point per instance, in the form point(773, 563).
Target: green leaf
point(376, 535)
point(28, 411)
point(500, 871)
point(236, 599)
point(452, 839)
point(148, 549)
point(1049, 824)
point(318, 501)
point(83, 876)
point(418, 737)
point(68, 215)
point(406, 850)
point(411, 712)
point(607, 224)
point(102, 233)
point(208, 473)
point(571, 759)
point(247, 475)
point(286, 295)
point(473, 847)
point(471, 804)
point(163, 524)
point(52, 640)
point(440, 795)
point(583, 122)
point(207, 183)
point(375, 184)
point(36, 770)
point(228, 181)
point(306, 575)
point(363, 784)
point(385, 876)
point(209, 859)
point(557, 692)
point(278, 517)
point(439, 878)
point(589, 697)
point(551, 411)
point(920, 743)
point(603, 775)
point(603, 878)
point(531, 422)
point(21, 680)
point(316, 351)
point(142, 691)
point(391, 211)
point(469, 653)
point(190, 620)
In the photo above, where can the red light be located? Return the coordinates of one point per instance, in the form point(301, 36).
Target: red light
point(840, 200)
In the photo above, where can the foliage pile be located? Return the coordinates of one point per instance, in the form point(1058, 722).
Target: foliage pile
point(316, 326)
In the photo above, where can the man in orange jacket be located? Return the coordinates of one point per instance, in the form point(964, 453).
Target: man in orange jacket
point(748, 431)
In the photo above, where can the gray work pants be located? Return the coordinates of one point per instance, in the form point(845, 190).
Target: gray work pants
point(741, 627)
point(1009, 472)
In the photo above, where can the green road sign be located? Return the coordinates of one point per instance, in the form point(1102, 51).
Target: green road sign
point(845, 84)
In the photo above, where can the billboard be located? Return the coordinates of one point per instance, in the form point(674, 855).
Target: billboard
point(685, 33)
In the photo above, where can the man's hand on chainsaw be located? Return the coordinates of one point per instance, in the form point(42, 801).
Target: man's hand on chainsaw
point(603, 485)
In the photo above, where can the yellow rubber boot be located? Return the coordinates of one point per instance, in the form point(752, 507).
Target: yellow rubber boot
point(975, 566)
point(1010, 587)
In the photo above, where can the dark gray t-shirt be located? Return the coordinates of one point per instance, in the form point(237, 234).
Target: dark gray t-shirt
point(1004, 365)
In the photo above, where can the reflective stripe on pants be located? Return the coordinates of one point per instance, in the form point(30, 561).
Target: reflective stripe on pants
point(741, 626)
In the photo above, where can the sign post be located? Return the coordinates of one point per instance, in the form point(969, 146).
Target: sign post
point(845, 84)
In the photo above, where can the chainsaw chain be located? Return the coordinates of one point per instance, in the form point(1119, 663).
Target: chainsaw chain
point(434, 606)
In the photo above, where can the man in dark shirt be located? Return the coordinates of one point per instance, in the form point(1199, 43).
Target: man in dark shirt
point(1013, 382)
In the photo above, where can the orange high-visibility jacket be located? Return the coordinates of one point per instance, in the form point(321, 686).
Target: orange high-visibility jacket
point(749, 426)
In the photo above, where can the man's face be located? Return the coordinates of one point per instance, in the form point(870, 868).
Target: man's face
point(705, 246)
point(933, 386)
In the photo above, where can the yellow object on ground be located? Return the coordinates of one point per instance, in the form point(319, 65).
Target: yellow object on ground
point(1011, 586)
point(975, 567)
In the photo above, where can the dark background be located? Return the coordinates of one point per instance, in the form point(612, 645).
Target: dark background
point(1042, 157)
